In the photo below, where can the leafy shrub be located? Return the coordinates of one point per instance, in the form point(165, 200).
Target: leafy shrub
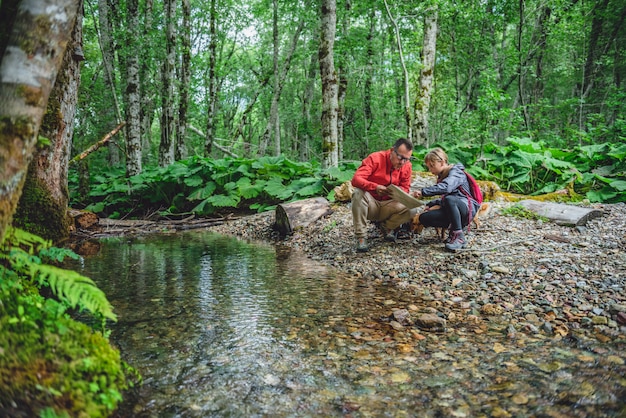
point(51, 364)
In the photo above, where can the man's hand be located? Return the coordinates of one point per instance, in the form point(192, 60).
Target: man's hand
point(417, 194)
point(383, 190)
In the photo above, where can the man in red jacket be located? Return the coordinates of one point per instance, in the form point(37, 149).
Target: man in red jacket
point(371, 200)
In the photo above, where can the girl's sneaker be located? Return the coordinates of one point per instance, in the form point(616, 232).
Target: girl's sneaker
point(456, 241)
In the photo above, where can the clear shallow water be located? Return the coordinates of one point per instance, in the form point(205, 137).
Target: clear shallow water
point(220, 327)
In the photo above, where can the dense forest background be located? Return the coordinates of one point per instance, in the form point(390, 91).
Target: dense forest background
point(527, 93)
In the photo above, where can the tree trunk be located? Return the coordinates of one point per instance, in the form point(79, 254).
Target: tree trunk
point(185, 70)
point(306, 135)
point(407, 98)
point(562, 214)
point(27, 74)
point(107, 46)
point(328, 75)
point(42, 208)
point(168, 131)
point(422, 101)
point(279, 83)
point(133, 98)
point(212, 94)
point(147, 91)
point(343, 82)
point(368, 114)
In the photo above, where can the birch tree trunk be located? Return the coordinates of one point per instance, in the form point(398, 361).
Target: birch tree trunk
point(278, 88)
point(28, 71)
point(343, 81)
point(185, 71)
point(305, 137)
point(212, 95)
point(42, 208)
point(147, 91)
point(168, 131)
point(133, 97)
point(424, 93)
point(107, 46)
point(328, 75)
point(407, 97)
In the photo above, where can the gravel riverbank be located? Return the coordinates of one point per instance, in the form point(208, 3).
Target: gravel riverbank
point(528, 320)
point(539, 277)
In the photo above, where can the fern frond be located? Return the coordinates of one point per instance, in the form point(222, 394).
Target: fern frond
point(16, 237)
point(74, 289)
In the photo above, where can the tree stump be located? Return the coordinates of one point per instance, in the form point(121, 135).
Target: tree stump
point(300, 214)
point(83, 219)
point(562, 214)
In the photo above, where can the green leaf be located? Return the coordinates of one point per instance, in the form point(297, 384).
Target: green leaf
point(275, 188)
point(193, 181)
point(221, 200)
point(314, 189)
point(247, 190)
point(619, 185)
point(203, 192)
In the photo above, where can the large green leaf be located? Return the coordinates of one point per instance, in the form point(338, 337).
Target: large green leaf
point(193, 181)
point(314, 189)
point(220, 200)
point(203, 192)
point(247, 190)
point(275, 188)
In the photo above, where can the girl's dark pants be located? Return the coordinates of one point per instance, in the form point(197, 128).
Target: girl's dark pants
point(453, 214)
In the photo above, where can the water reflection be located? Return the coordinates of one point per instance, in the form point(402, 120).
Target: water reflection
point(220, 327)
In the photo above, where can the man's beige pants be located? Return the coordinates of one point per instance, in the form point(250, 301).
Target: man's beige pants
point(365, 208)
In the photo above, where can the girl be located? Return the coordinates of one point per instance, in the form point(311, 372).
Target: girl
point(457, 208)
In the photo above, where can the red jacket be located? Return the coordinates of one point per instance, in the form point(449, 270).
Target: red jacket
point(376, 169)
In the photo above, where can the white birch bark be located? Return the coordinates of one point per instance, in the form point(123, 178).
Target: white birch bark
point(168, 123)
point(407, 98)
point(185, 80)
point(425, 88)
point(133, 98)
point(330, 102)
point(46, 183)
point(28, 71)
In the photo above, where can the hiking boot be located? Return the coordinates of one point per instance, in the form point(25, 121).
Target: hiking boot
point(361, 245)
point(457, 241)
point(390, 236)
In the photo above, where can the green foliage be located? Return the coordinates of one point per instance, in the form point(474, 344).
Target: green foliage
point(205, 186)
point(526, 166)
point(24, 256)
point(55, 365)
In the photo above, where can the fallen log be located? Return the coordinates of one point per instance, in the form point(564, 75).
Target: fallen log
point(300, 214)
point(83, 219)
point(561, 213)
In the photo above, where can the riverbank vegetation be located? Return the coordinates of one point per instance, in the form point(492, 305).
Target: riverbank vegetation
point(50, 363)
